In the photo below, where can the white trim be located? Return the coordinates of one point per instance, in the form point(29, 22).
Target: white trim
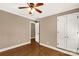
point(12, 47)
point(32, 22)
point(67, 52)
point(37, 32)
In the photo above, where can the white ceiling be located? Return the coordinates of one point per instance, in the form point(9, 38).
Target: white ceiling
point(47, 9)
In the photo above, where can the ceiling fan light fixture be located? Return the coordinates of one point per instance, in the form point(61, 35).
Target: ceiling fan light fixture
point(33, 7)
point(31, 10)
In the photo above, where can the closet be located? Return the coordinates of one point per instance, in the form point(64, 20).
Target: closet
point(68, 32)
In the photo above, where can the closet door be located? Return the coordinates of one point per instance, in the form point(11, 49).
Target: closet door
point(61, 32)
point(72, 32)
point(77, 15)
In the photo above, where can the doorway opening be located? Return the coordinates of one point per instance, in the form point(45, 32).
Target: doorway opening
point(34, 26)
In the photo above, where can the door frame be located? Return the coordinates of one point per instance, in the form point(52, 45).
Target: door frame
point(37, 31)
point(35, 22)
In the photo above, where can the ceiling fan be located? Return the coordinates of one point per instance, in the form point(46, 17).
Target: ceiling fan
point(32, 7)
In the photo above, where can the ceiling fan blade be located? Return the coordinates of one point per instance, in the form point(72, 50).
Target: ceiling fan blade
point(39, 4)
point(38, 10)
point(22, 7)
point(31, 4)
point(28, 4)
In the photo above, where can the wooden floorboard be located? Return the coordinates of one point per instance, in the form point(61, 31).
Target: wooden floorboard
point(32, 49)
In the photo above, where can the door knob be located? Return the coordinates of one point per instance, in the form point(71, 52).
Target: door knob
point(77, 17)
point(77, 49)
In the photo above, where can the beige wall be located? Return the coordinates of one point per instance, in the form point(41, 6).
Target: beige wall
point(14, 30)
point(48, 28)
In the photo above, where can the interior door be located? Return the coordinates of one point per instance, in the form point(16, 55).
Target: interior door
point(61, 32)
point(37, 32)
point(72, 32)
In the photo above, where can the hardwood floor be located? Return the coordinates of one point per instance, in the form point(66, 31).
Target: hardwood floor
point(32, 49)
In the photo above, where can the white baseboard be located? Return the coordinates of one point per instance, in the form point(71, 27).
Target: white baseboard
point(12, 47)
point(67, 52)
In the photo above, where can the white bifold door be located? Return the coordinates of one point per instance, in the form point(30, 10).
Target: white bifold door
point(68, 32)
point(72, 32)
point(61, 32)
